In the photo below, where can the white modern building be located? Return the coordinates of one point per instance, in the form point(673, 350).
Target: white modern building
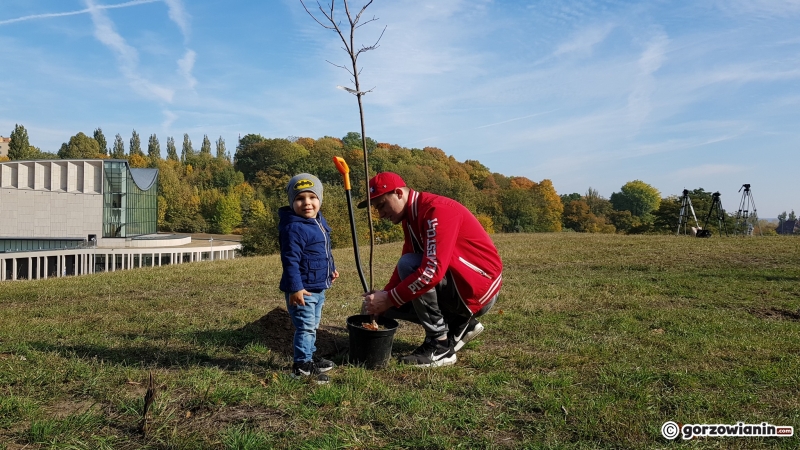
point(73, 217)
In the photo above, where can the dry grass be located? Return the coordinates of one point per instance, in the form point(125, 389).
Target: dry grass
point(595, 342)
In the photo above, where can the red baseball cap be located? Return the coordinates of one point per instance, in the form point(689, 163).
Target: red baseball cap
point(381, 184)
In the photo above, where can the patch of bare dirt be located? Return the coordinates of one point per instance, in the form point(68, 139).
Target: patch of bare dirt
point(70, 407)
point(8, 437)
point(775, 314)
point(202, 420)
point(11, 356)
point(275, 331)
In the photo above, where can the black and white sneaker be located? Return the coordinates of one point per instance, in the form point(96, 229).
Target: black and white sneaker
point(323, 364)
point(472, 329)
point(432, 353)
point(309, 370)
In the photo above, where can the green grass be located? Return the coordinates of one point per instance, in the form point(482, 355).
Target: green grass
point(595, 342)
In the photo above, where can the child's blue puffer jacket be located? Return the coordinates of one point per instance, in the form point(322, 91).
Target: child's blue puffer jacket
point(305, 252)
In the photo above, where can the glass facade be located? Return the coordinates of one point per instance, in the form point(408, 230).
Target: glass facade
point(27, 245)
point(128, 210)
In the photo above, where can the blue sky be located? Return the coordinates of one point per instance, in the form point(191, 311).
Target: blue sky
point(586, 93)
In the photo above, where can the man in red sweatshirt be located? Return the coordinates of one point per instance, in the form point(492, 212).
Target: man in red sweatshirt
point(448, 275)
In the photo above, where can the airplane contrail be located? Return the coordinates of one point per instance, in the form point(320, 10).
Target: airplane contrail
point(74, 13)
point(515, 119)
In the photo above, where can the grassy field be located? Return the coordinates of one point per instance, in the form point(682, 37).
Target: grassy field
point(595, 342)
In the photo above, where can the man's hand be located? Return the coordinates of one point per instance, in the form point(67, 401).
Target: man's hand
point(296, 298)
point(377, 302)
point(334, 275)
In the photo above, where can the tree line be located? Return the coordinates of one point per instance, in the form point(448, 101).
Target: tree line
point(205, 191)
point(639, 209)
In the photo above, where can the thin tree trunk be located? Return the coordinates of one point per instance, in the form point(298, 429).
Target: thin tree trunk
point(349, 47)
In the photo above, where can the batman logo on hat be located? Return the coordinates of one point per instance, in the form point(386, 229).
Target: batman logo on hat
point(303, 184)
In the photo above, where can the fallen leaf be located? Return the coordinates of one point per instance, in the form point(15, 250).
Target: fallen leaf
point(345, 403)
point(491, 404)
point(657, 331)
point(263, 383)
point(373, 326)
point(500, 311)
point(365, 427)
point(133, 383)
point(188, 414)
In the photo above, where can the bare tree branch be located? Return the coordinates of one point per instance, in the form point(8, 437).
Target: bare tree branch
point(371, 47)
point(315, 17)
point(349, 47)
point(341, 67)
point(362, 10)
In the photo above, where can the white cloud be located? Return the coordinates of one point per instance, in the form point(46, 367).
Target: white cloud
point(651, 59)
point(584, 41)
point(178, 14)
point(677, 145)
point(73, 13)
point(169, 118)
point(423, 45)
point(707, 170)
point(105, 33)
point(761, 9)
point(127, 56)
point(751, 73)
point(185, 66)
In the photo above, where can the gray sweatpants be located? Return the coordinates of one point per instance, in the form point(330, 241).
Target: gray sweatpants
point(437, 310)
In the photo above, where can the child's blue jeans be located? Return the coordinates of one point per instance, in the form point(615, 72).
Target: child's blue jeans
point(306, 321)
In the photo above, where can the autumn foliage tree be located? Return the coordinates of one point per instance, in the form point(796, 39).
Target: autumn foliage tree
point(205, 193)
point(531, 207)
point(20, 148)
point(118, 151)
point(579, 217)
point(136, 145)
point(80, 146)
point(172, 152)
point(101, 140)
point(153, 149)
point(638, 197)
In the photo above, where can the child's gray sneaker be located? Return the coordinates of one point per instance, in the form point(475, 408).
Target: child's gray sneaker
point(309, 370)
point(323, 364)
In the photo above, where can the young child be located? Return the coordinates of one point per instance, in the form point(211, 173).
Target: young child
point(308, 270)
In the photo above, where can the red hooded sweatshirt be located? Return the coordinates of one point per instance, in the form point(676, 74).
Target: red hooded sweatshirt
point(450, 239)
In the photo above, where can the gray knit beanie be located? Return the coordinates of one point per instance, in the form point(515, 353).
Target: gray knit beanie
point(301, 183)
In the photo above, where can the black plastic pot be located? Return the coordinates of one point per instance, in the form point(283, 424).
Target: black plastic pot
point(372, 349)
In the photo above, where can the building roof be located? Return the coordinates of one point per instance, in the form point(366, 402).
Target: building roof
point(144, 178)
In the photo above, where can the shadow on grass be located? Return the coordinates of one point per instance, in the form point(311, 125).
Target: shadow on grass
point(146, 355)
point(747, 275)
point(775, 314)
point(274, 331)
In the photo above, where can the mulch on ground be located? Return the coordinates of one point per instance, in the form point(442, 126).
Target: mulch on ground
point(275, 331)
